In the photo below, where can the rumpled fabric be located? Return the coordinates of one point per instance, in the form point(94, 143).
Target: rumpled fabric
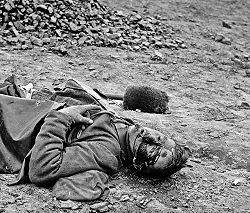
point(89, 185)
point(25, 142)
point(10, 87)
point(20, 121)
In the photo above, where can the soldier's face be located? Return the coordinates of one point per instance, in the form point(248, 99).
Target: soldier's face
point(154, 153)
point(138, 134)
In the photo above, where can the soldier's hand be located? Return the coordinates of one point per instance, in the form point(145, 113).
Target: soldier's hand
point(80, 113)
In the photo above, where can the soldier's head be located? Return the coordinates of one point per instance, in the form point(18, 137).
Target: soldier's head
point(154, 154)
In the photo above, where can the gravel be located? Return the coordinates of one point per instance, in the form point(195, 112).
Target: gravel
point(48, 23)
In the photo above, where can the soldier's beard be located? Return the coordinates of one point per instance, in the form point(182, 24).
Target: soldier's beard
point(143, 158)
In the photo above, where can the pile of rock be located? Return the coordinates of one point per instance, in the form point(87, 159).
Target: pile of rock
point(25, 23)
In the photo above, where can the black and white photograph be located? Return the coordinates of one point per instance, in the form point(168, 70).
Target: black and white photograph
point(125, 106)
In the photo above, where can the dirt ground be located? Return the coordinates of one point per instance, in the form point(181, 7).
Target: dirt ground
point(209, 87)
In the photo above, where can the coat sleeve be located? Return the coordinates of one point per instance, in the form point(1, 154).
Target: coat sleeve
point(85, 186)
point(51, 158)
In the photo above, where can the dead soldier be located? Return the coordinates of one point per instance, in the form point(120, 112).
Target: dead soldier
point(72, 141)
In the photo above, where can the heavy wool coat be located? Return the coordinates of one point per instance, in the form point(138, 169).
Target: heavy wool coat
point(48, 149)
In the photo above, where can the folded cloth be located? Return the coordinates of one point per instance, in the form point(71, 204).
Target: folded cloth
point(9, 87)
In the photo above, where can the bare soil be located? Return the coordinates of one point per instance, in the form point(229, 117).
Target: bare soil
point(209, 87)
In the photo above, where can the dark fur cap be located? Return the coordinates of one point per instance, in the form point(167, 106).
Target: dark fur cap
point(146, 99)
